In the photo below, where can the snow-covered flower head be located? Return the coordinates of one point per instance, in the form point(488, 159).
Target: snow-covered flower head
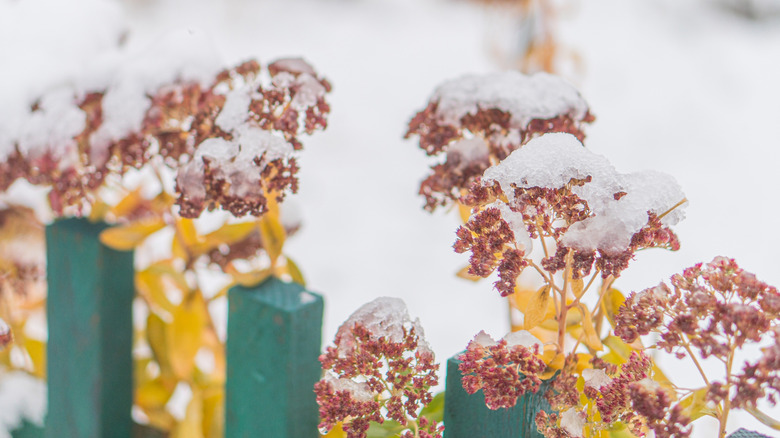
point(380, 367)
point(555, 188)
point(227, 134)
point(478, 120)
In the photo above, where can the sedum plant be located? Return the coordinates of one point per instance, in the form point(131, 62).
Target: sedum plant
point(153, 143)
point(540, 203)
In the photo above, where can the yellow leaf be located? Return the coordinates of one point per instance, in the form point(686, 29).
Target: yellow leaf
point(192, 424)
point(247, 279)
point(577, 287)
point(128, 204)
point(159, 418)
point(153, 394)
point(127, 237)
point(764, 418)
point(186, 334)
point(153, 283)
point(99, 210)
point(230, 233)
point(464, 274)
point(695, 404)
point(158, 338)
point(336, 432)
point(591, 338)
point(295, 272)
point(273, 235)
point(465, 212)
point(555, 363)
point(213, 413)
point(611, 304)
point(537, 308)
point(185, 229)
point(37, 351)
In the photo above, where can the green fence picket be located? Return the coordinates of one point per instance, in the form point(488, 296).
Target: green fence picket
point(89, 309)
point(273, 344)
point(466, 416)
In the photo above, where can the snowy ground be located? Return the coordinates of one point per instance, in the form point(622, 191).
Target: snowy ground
point(678, 86)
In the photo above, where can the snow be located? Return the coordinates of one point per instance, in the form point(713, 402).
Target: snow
point(232, 161)
point(130, 76)
point(573, 422)
point(22, 397)
point(516, 224)
point(383, 317)
point(236, 109)
point(359, 390)
point(483, 339)
point(553, 160)
point(469, 151)
point(523, 338)
point(57, 122)
point(595, 378)
point(538, 96)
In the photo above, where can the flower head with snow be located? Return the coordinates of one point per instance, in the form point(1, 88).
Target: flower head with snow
point(574, 202)
point(381, 368)
point(476, 121)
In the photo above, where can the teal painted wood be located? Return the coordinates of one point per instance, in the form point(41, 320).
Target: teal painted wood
point(744, 433)
point(273, 344)
point(89, 308)
point(466, 416)
point(28, 430)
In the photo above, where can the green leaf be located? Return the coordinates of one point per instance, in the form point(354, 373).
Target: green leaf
point(435, 409)
point(385, 430)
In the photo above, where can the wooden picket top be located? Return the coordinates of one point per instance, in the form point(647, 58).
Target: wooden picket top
point(274, 340)
point(466, 416)
point(89, 362)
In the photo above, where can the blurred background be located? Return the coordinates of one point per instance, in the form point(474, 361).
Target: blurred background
point(686, 87)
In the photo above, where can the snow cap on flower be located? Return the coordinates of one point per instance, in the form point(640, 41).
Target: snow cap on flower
point(573, 422)
point(383, 317)
point(619, 203)
point(595, 378)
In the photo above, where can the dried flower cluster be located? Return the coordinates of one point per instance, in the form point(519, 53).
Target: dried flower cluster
point(578, 203)
point(715, 310)
point(612, 395)
point(380, 368)
point(504, 371)
point(229, 141)
point(477, 121)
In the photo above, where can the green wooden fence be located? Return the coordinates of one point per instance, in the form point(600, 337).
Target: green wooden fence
point(273, 344)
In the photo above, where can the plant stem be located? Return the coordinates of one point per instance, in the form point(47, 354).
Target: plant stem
point(727, 401)
point(564, 309)
point(687, 347)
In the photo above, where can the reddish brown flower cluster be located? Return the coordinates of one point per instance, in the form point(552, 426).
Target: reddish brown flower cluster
point(544, 212)
point(623, 395)
point(478, 139)
point(374, 378)
point(491, 242)
point(180, 118)
point(503, 372)
point(655, 405)
point(714, 309)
